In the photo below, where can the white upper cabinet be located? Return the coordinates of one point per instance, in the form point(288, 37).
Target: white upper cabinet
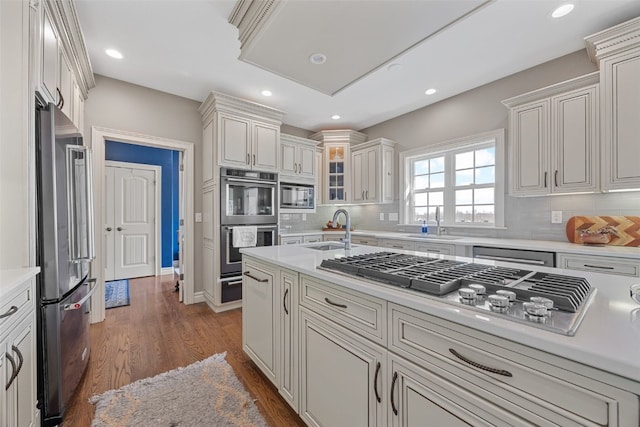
point(297, 159)
point(241, 134)
point(49, 58)
point(554, 139)
point(617, 53)
point(373, 173)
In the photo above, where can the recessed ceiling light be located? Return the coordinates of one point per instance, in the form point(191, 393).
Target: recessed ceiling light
point(394, 67)
point(266, 93)
point(317, 58)
point(430, 91)
point(335, 117)
point(113, 53)
point(562, 10)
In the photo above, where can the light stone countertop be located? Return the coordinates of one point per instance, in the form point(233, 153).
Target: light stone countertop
point(608, 337)
point(10, 279)
point(536, 245)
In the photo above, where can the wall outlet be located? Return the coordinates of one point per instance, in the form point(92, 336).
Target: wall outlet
point(198, 216)
point(556, 217)
point(393, 216)
point(381, 216)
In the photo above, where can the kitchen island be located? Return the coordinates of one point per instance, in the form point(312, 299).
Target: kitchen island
point(348, 351)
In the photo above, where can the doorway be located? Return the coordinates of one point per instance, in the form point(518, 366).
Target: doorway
point(99, 137)
point(132, 213)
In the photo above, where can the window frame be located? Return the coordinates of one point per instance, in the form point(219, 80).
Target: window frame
point(448, 149)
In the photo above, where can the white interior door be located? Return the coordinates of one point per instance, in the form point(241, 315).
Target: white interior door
point(181, 204)
point(133, 230)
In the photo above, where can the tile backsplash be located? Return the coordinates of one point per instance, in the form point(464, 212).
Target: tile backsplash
point(525, 217)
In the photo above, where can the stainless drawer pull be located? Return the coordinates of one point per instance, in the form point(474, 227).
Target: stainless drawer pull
point(480, 366)
point(9, 312)
point(334, 303)
point(248, 274)
point(602, 267)
point(397, 246)
point(375, 382)
point(393, 385)
point(510, 259)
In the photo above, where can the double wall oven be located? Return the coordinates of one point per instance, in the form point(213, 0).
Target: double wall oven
point(247, 198)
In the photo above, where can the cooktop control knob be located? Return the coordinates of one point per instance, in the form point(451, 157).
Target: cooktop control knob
point(480, 289)
point(498, 303)
point(467, 296)
point(535, 312)
point(509, 294)
point(542, 301)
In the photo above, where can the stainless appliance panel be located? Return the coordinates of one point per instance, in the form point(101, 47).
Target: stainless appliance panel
point(297, 196)
point(248, 199)
point(66, 337)
point(523, 256)
point(230, 256)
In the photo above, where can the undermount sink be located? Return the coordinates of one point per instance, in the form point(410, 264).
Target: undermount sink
point(327, 247)
point(434, 237)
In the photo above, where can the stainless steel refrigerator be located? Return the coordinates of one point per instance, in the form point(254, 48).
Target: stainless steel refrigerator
point(65, 249)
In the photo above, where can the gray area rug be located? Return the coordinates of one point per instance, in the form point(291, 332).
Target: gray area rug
point(205, 393)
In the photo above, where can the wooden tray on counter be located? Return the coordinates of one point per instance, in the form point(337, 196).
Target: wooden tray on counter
point(628, 230)
point(336, 229)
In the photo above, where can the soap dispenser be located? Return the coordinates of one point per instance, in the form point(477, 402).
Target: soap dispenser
point(425, 230)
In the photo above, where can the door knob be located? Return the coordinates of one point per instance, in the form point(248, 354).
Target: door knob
point(109, 228)
point(119, 228)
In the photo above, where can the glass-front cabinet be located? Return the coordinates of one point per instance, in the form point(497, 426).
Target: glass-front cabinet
point(338, 159)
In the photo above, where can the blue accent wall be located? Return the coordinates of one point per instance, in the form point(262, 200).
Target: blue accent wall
point(169, 161)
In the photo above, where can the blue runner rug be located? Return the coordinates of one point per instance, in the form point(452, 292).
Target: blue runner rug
point(116, 293)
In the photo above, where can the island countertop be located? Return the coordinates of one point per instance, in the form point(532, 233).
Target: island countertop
point(607, 339)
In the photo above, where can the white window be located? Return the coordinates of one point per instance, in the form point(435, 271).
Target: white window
point(463, 178)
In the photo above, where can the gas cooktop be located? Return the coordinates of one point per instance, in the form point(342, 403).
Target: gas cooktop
point(553, 302)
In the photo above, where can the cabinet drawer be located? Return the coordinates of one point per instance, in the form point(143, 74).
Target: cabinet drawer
point(333, 237)
point(607, 265)
point(313, 238)
point(398, 244)
point(560, 396)
point(358, 312)
point(292, 240)
point(364, 240)
point(17, 306)
point(436, 248)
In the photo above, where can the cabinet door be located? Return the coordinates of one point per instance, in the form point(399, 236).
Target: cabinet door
point(288, 158)
point(306, 161)
point(342, 376)
point(371, 175)
point(437, 248)
point(358, 179)
point(259, 319)
point(234, 135)
point(288, 316)
point(49, 72)
point(23, 389)
point(575, 141)
point(208, 144)
point(388, 175)
point(418, 395)
point(319, 177)
point(529, 157)
point(337, 173)
point(620, 106)
point(265, 143)
point(78, 107)
point(66, 86)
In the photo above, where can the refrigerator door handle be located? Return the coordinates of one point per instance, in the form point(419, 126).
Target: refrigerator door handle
point(72, 193)
point(78, 305)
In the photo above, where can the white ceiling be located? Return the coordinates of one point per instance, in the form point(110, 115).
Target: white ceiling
point(188, 48)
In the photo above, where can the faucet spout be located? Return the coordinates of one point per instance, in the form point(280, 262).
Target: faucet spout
point(347, 234)
point(438, 220)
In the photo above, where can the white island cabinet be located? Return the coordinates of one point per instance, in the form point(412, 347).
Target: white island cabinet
point(371, 355)
point(18, 394)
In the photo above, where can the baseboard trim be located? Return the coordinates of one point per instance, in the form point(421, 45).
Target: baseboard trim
point(198, 297)
point(166, 270)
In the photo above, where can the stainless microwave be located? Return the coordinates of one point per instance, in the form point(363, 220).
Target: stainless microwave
point(297, 197)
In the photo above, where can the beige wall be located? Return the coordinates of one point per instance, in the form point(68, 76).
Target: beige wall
point(123, 106)
point(478, 110)
point(295, 131)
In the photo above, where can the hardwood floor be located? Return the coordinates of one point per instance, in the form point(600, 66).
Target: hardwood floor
point(155, 334)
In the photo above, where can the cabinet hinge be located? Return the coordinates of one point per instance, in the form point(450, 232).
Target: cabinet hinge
point(181, 276)
point(182, 222)
point(181, 168)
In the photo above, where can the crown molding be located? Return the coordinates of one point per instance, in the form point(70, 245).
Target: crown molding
point(340, 135)
point(217, 101)
point(613, 40)
point(545, 92)
point(250, 17)
point(297, 140)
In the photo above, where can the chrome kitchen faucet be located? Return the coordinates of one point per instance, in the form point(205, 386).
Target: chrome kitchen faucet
point(347, 234)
